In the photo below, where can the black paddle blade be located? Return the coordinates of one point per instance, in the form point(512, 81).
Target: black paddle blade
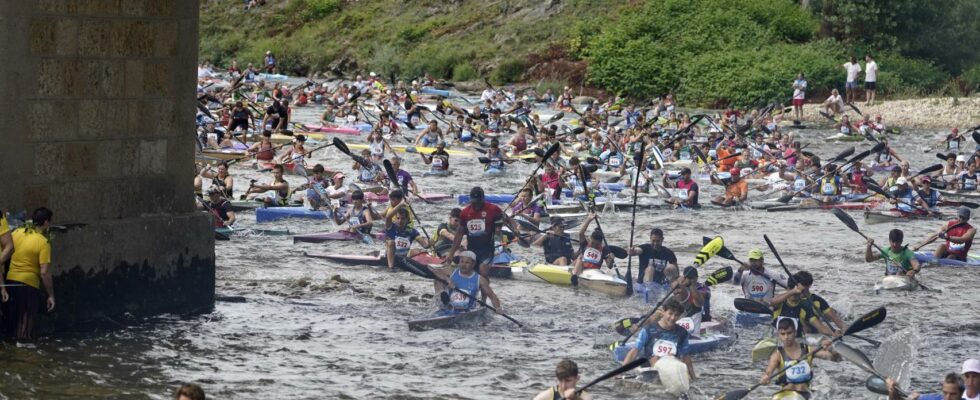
point(969, 204)
point(618, 252)
point(844, 154)
point(700, 154)
point(636, 363)
point(390, 170)
point(876, 385)
point(855, 356)
point(976, 136)
point(623, 326)
point(786, 198)
point(856, 109)
point(483, 160)
point(930, 169)
point(538, 152)
point(578, 131)
point(722, 275)
point(942, 156)
point(415, 267)
point(560, 115)
point(734, 395)
point(846, 219)
point(877, 189)
point(752, 306)
point(340, 145)
point(551, 151)
point(878, 147)
point(531, 226)
point(867, 321)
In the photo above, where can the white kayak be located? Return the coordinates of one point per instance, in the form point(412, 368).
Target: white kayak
point(896, 282)
point(673, 375)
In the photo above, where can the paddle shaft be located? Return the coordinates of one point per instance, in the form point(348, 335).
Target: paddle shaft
point(471, 297)
point(635, 363)
point(853, 227)
point(936, 236)
point(636, 196)
point(547, 155)
point(647, 316)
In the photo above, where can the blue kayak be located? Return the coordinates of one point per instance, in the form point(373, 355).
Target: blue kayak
point(926, 259)
point(695, 345)
point(276, 213)
point(434, 91)
point(746, 319)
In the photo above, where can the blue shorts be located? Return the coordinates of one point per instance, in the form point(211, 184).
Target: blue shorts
point(851, 85)
point(426, 142)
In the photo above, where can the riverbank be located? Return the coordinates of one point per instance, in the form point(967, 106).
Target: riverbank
point(942, 113)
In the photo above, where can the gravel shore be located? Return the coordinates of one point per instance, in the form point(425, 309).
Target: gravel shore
point(927, 113)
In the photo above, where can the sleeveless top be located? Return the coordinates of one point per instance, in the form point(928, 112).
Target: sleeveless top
point(470, 285)
point(800, 370)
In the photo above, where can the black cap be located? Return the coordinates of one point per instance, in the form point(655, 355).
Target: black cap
point(690, 272)
point(476, 192)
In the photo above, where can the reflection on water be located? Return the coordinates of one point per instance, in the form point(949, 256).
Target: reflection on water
point(302, 333)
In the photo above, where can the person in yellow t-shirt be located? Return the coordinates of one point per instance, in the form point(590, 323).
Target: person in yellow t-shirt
point(29, 267)
point(6, 249)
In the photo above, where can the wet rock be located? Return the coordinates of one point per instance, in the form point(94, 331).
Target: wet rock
point(357, 289)
point(302, 282)
point(427, 296)
point(252, 284)
point(339, 279)
point(414, 299)
point(379, 298)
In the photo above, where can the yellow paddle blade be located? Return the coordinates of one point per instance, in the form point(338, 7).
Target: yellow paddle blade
point(709, 250)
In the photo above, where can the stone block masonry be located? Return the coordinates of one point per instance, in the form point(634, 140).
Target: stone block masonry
point(98, 99)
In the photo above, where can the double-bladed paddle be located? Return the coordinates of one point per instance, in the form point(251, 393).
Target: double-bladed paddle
point(547, 155)
point(858, 358)
point(616, 251)
point(623, 368)
point(867, 321)
point(847, 220)
point(636, 195)
point(721, 275)
point(422, 270)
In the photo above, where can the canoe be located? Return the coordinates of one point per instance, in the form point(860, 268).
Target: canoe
point(884, 217)
point(445, 319)
point(787, 395)
point(371, 260)
point(926, 259)
point(413, 149)
point(276, 213)
point(321, 237)
point(590, 279)
point(895, 282)
point(435, 92)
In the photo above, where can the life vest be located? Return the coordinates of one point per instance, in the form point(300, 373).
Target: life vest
point(470, 285)
point(829, 186)
point(959, 249)
point(592, 257)
point(800, 371)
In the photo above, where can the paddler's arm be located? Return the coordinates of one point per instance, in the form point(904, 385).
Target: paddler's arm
point(485, 287)
point(390, 253)
point(231, 218)
point(773, 364)
point(690, 366)
point(869, 256)
point(827, 351)
point(780, 298)
point(424, 241)
point(585, 227)
point(965, 238)
point(457, 238)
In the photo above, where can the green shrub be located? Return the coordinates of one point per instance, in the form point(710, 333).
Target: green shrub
point(464, 72)
point(904, 77)
point(971, 79)
point(508, 72)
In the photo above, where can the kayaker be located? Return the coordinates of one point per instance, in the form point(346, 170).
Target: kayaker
point(567, 378)
point(797, 378)
point(29, 267)
point(968, 180)
point(445, 233)
point(687, 190)
point(526, 207)
point(264, 150)
point(6, 250)
point(959, 235)
point(926, 197)
point(276, 116)
point(376, 146)
point(695, 297)
point(886, 156)
point(315, 188)
point(357, 215)
point(953, 388)
point(403, 178)
point(856, 180)
point(478, 223)
point(221, 180)
point(396, 201)
point(429, 136)
point(902, 196)
point(367, 172)
point(439, 159)
point(735, 192)
point(658, 264)
point(592, 249)
point(399, 238)
point(805, 308)
point(295, 154)
point(273, 194)
point(336, 194)
point(662, 337)
point(759, 284)
point(899, 259)
point(465, 277)
point(830, 184)
point(556, 243)
point(496, 157)
point(219, 207)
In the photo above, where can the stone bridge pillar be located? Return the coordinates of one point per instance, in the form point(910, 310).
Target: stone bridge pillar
point(96, 117)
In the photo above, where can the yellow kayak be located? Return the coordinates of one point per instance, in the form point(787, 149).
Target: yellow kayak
point(591, 279)
point(763, 349)
point(787, 395)
point(413, 149)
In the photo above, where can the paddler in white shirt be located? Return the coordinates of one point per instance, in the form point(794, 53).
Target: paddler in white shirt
point(757, 284)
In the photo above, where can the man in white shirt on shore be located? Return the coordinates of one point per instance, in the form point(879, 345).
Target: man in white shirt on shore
point(850, 88)
point(870, 79)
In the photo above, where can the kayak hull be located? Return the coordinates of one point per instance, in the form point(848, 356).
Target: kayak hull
point(590, 279)
point(927, 259)
point(895, 282)
point(321, 237)
point(884, 217)
point(696, 345)
point(447, 319)
point(269, 214)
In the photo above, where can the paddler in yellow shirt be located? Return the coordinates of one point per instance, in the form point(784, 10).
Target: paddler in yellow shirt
point(6, 249)
point(28, 268)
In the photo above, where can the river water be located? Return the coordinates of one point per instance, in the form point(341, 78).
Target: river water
point(298, 335)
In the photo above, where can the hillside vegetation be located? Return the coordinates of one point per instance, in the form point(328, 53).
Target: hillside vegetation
point(707, 52)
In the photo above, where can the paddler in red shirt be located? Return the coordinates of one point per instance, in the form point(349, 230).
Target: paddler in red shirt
point(478, 222)
point(959, 237)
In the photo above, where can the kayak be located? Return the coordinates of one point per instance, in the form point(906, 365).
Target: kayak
point(383, 198)
point(788, 395)
point(243, 205)
point(225, 154)
point(895, 282)
point(434, 91)
point(591, 279)
point(224, 231)
point(321, 237)
point(963, 194)
point(271, 77)
point(371, 260)
point(851, 205)
point(883, 217)
point(494, 172)
point(268, 214)
point(447, 318)
point(343, 130)
point(413, 149)
point(926, 259)
point(840, 137)
point(438, 173)
point(695, 345)
point(747, 319)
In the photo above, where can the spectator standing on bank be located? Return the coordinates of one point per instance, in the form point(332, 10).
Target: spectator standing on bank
point(850, 88)
point(870, 79)
point(799, 96)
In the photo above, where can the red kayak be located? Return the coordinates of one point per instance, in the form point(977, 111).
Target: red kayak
point(321, 237)
point(332, 129)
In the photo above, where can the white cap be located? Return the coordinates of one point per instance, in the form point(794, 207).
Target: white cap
point(414, 93)
point(901, 181)
point(712, 153)
point(961, 158)
point(324, 84)
point(971, 365)
point(472, 256)
point(373, 74)
point(415, 82)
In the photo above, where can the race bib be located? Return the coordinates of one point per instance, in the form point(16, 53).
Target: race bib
point(664, 348)
point(458, 300)
point(436, 162)
point(828, 188)
point(758, 290)
point(386, 130)
point(592, 255)
point(402, 243)
point(615, 162)
point(799, 184)
point(477, 227)
point(682, 194)
point(354, 221)
point(954, 145)
point(686, 323)
point(799, 372)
